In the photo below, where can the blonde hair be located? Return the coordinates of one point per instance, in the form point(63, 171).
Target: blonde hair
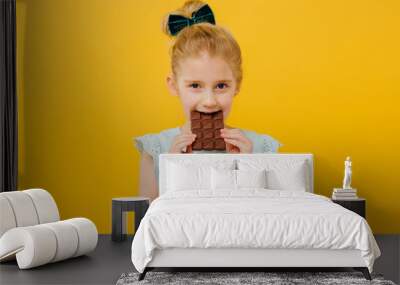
point(203, 37)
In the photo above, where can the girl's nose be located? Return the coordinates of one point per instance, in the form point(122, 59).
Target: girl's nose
point(209, 100)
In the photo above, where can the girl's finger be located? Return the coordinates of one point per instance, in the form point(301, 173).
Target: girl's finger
point(234, 135)
point(183, 143)
point(184, 138)
point(232, 148)
point(230, 131)
point(237, 143)
point(185, 147)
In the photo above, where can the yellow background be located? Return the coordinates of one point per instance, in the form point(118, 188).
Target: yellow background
point(320, 76)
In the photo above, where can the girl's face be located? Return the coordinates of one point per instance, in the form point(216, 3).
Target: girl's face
point(205, 84)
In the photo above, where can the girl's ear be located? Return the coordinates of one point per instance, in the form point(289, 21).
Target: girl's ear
point(172, 85)
point(237, 89)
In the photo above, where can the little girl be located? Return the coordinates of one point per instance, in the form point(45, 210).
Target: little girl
point(206, 75)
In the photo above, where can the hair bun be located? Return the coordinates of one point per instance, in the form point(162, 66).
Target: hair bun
point(186, 10)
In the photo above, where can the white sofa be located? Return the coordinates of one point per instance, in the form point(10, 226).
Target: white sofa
point(31, 231)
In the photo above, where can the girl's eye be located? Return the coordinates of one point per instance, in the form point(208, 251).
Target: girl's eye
point(221, 85)
point(195, 85)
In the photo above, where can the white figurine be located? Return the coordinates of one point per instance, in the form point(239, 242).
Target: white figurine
point(347, 173)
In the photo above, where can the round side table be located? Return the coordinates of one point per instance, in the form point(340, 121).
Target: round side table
point(120, 206)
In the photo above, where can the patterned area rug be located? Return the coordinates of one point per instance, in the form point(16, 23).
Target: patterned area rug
point(225, 278)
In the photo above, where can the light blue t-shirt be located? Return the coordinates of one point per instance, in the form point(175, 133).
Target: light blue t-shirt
point(156, 143)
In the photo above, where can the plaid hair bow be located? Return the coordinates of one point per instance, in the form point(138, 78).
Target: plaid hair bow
point(177, 22)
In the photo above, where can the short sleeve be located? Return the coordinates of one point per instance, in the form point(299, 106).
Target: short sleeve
point(149, 143)
point(269, 144)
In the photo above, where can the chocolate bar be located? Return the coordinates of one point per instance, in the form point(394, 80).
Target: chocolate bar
point(207, 128)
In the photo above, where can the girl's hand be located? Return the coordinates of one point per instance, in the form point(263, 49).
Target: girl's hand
point(182, 143)
point(236, 141)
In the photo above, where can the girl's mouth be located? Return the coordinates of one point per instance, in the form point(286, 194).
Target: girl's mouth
point(208, 112)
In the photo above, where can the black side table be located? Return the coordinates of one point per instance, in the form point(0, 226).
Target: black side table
point(357, 205)
point(119, 208)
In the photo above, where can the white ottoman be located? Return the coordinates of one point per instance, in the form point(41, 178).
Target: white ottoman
point(31, 232)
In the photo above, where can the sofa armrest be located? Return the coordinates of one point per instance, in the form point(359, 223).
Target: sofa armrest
point(40, 244)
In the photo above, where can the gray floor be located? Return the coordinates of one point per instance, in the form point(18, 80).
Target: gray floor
point(111, 259)
point(389, 262)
